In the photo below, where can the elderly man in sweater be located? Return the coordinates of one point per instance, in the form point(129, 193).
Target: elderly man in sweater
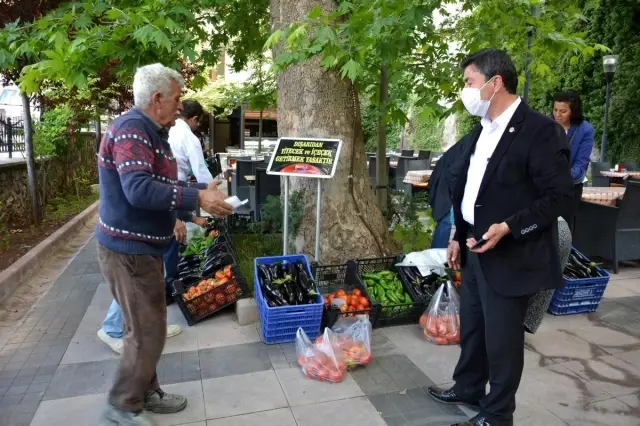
point(140, 197)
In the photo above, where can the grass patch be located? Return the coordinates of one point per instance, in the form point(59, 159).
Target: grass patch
point(250, 246)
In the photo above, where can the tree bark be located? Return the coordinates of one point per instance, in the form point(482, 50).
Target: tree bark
point(32, 180)
point(382, 170)
point(316, 103)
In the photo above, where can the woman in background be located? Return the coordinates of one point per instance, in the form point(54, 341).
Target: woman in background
point(567, 111)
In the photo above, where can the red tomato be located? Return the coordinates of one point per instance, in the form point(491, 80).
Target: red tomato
point(356, 292)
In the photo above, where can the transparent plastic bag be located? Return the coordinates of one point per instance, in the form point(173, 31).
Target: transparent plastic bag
point(194, 231)
point(320, 361)
point(440, 323)
point(352, 338)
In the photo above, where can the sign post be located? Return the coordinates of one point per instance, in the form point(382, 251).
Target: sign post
point(314, 158)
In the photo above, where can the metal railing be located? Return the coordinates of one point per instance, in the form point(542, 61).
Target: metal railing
point(11, 136)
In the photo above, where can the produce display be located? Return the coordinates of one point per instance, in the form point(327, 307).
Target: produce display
point(320, 361)
point(579, 266)
point(286, 283)
point(197, 244)
point(213, 251)
point(352, 338)
point(346, 302)
point(440, 323)
point(385, 288)
point(221, 277)
point(212, 294)
point(426, 286)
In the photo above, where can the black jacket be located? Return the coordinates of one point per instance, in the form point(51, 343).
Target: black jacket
point(527, 184)
point(439, 185)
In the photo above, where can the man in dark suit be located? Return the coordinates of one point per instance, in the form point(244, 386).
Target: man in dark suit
point(515, 181)
point(440, 194)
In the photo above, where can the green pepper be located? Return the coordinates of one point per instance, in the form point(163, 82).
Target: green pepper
point(407, 299)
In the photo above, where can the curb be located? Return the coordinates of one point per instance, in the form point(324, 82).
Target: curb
point(22, 269)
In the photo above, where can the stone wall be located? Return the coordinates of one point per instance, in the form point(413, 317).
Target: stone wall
point(58, 176)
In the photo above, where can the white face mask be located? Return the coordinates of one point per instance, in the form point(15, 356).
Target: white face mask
point(473, 102)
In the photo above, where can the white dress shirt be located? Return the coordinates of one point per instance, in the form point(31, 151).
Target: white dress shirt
point(187, 150)
point(491, 134)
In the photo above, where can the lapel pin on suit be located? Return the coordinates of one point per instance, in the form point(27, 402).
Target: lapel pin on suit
point(511, 130)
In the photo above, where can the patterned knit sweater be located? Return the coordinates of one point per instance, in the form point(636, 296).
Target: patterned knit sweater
point(139, 191)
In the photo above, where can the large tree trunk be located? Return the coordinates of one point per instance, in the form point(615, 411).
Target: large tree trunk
point(32, 181)
point(382, 170)
point(315, 103)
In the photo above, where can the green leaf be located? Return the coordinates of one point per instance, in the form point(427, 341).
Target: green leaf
point(350, 70)
point(273, 39)
point(316, 12)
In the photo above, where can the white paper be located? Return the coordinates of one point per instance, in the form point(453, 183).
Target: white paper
point(235, 202)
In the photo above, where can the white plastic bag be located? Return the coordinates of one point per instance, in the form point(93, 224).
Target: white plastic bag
point(440, 323)
point(427, 261)
point(320, 361)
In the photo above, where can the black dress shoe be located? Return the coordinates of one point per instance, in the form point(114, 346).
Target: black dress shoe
point(478, 420)
point(449, 396)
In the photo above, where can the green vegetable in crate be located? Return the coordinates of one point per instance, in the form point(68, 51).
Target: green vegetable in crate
point(197, 244)
point(385, 287)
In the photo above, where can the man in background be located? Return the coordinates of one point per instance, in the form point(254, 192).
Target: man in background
point(440, 194)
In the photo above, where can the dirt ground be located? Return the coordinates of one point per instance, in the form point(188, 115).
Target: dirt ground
point(13, 308)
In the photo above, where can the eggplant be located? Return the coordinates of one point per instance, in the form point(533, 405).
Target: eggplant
point(264, 273)
point(277, 272)
point(271, 292)
point(292, 272)
point(307, 284)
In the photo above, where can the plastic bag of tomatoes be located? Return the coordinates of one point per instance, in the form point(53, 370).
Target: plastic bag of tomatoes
point(320, 361)
point(352, 337)
point(440, 323)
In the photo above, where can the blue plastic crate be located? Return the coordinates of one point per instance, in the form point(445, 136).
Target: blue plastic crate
point(279, 324)
point(579, 295)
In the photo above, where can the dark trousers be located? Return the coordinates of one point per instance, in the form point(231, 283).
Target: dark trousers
point(171, 257)
point(137, 283)
point(577, 196)
point(492, 343)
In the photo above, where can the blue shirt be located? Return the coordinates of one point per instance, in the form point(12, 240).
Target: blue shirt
point(581, 139)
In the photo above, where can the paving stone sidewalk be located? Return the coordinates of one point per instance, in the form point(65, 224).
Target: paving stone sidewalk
point(580, 369)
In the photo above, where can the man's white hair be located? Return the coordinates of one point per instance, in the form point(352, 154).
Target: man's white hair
point(151, 79)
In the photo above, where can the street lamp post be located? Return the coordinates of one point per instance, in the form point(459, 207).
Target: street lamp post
point(610, 63)
point(535, 12)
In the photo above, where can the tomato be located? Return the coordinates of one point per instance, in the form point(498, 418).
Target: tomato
point(360, 308)
point(347, 299)
point(423, 321)
point(340, 293)
point(356, 292)
point(439, 340)
point(302, 360)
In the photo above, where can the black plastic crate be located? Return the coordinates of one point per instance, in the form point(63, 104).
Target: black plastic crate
point(331, 278)
point(208, 303)
point(389, 315)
